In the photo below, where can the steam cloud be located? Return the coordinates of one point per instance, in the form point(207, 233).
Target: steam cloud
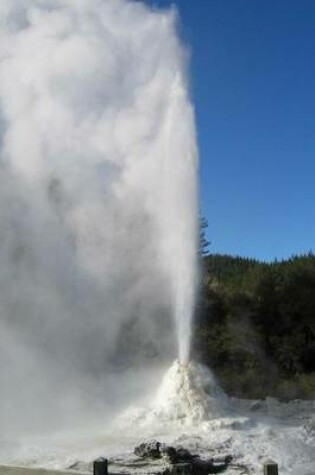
point(98, 201)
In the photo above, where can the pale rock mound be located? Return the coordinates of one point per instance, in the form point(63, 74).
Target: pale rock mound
point(188, 396)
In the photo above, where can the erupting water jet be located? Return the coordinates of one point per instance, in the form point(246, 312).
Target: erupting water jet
point(99, 201)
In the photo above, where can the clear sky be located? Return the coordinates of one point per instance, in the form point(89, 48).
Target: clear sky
point(253, 86)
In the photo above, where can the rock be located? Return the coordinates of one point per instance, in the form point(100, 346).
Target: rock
point(182, 469)
point(149, 450)
point(79, 466)
point(156, 450)
point(170, 453)
point(74, 466)
point(204, 467)
point(222, 459)
point(183, 455)
point(177, 456)
point(182, 461)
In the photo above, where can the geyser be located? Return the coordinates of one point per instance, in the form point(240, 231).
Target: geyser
point(98, 202)
point(188, 396)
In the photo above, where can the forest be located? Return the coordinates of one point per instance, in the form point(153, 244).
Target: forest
point(255, 325)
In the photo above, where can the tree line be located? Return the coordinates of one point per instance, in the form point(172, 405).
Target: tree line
point(255, 324)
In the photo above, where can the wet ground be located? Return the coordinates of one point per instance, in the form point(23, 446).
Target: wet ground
point(256, 432)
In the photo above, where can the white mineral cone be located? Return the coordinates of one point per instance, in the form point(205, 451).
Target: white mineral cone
point(189, 393)
point(188, 396)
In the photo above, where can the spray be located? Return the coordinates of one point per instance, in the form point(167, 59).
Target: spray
point(98, 204)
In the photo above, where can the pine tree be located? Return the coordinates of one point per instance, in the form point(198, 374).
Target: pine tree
point(203, 242)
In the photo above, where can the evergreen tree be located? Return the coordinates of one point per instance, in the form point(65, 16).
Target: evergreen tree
point(203, 242)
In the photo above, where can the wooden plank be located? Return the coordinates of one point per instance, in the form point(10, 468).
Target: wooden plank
point(10, 470)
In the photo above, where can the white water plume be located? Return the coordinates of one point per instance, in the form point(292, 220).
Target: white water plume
point(98, 202)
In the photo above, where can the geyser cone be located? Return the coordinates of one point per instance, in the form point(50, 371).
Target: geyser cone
point(189, 392)
point(188, 396)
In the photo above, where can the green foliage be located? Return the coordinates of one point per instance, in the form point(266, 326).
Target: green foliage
point(203, 242)
point(255, 325)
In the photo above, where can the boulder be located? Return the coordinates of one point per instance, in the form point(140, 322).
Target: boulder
point(181, 460)
point(149, 450)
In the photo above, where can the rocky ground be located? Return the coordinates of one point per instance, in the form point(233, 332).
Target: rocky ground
point(261, 430)
point(190, 412)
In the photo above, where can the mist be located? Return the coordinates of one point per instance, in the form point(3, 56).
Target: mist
point(98, 206)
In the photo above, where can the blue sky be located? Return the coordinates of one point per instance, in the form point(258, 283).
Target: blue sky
point(253, 86)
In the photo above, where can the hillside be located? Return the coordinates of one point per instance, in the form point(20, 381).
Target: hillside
point(255, 325)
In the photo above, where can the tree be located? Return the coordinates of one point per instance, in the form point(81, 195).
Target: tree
point(203, 242)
